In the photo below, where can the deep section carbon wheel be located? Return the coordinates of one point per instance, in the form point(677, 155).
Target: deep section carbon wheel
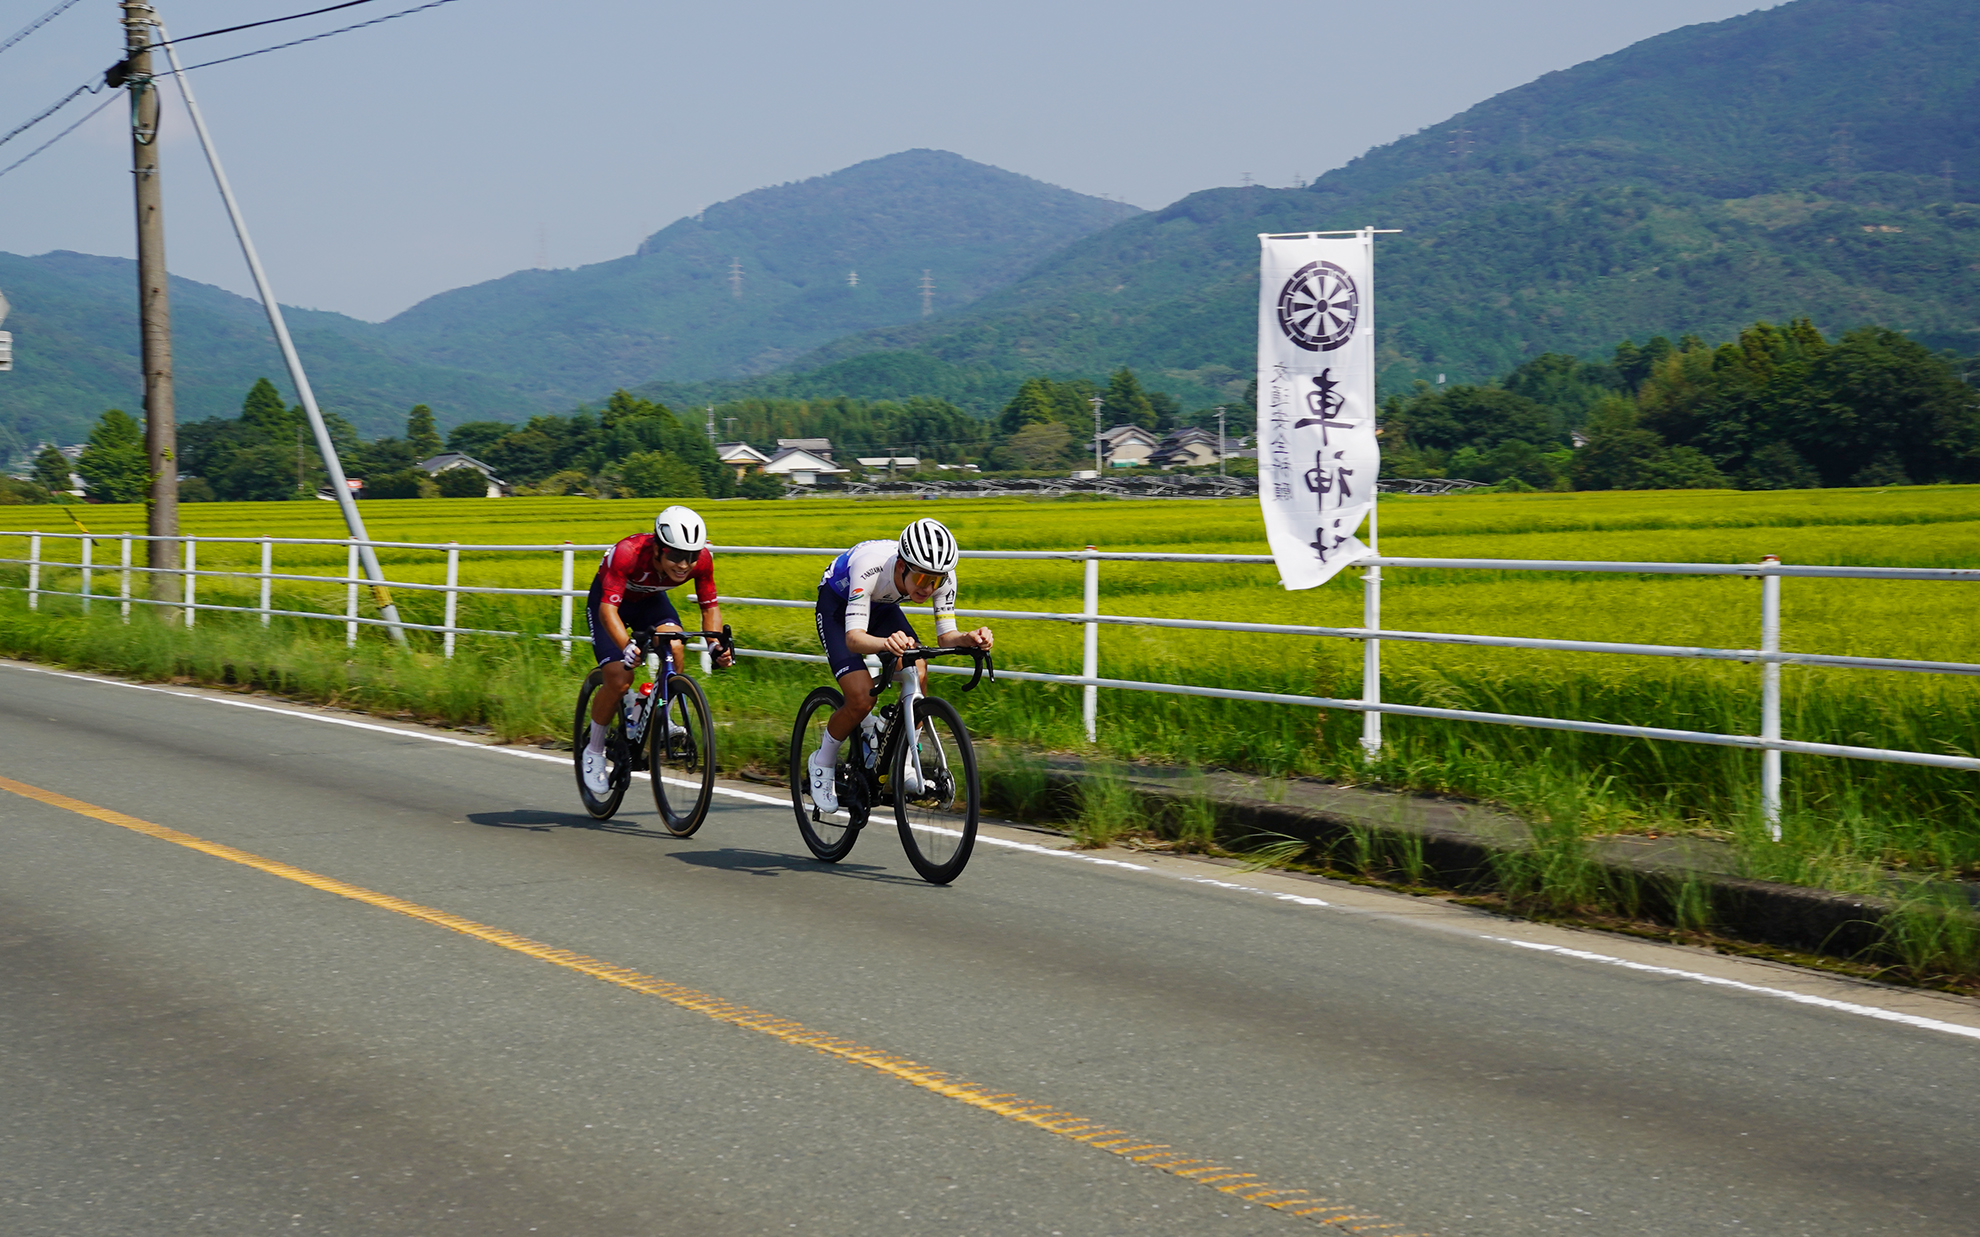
point(828, 835)
point(933, 776)
point(619, 755)
point(681, 754)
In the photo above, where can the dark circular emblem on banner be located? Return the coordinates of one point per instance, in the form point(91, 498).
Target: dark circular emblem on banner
point(1318, 307)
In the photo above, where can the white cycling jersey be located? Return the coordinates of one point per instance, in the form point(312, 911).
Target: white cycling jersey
point(865, 574)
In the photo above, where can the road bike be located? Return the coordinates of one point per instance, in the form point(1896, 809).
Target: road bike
point(930, 779)
point(679, 753)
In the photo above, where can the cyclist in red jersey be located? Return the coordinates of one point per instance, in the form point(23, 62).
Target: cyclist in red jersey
point(630, 590)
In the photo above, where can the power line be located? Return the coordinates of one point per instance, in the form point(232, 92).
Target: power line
point(38, 23)
point(59, 136)
point(17, 130)
point(314, 37)
point(91, 87)
point(273, 21)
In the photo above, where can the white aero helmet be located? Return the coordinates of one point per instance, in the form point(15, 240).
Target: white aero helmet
point(679, 528)
point(927, 546)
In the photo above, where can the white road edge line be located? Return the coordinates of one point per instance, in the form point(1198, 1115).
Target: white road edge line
point(1866, 1011)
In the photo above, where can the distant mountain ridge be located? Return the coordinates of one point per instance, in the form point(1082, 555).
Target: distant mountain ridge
point(543, 340)
point(1788, 162)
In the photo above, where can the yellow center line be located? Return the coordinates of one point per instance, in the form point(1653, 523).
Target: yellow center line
point(1005, 1104)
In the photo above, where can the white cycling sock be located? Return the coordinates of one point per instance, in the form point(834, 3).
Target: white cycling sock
point(597, 743)
point(829, 749)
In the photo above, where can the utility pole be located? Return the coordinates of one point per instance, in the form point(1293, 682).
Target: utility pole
point(339, 489)
point(1096, 401)
point(161, 438)
point(1221, 440)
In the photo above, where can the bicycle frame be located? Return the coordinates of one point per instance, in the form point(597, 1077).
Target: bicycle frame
point(905, 669)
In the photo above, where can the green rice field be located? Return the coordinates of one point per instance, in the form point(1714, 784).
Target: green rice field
point(1847, 821)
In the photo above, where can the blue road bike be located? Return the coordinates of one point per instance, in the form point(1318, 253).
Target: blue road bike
point(662, 728)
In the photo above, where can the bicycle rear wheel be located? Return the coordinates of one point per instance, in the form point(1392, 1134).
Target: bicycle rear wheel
point(830, 836)
point(936, 809)
point(618, 754)
point(681, 755)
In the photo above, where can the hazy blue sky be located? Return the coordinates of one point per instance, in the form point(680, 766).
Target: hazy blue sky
point(380, 167)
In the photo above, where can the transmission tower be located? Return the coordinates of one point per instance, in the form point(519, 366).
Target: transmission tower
point(927, 294)
point(1946, 174)
point(735, 278)
point(1461, 145)
point(852, 279)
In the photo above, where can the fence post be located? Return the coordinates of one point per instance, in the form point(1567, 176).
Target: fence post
point(1371, 662)
point(1090, 663)
point(564, 603)
point(34, 571)
point(267, 584)
point(88, 556)
point(191, 556)
point(350, 595)
point(124, 577)
point(453, 582)
point(1770, 699)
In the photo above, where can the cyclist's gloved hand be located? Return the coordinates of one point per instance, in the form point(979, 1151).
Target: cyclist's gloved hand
point(630, 654)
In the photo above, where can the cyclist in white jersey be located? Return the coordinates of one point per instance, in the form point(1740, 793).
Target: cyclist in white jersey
point(859, 613)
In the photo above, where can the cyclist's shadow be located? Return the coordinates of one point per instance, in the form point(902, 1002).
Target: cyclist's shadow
point(537, 821)
point(772, 863)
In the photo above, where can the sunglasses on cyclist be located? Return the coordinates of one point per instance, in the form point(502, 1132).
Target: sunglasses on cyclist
point(679, 556)
point(929, 580)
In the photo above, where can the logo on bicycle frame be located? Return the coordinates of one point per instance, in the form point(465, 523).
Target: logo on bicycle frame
point(1318, 307)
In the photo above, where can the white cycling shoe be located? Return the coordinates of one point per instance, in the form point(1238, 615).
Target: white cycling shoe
point(595, 773)
point(824, 782)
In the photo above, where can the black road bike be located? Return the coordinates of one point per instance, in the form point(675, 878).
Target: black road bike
point(661, 728)
point(914, 753)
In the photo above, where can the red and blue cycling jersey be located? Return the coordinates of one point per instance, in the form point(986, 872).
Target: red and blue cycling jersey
point(632, 569)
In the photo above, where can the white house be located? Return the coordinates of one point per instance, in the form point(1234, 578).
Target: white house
point(820, 447)
point(802, 467)
point(1186, 448)
point(740, 456)
point(1127, 446)
point(497, 488)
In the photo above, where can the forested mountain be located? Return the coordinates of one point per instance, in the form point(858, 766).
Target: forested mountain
point(1820, 159)
point(816, 260)
point(75, 329)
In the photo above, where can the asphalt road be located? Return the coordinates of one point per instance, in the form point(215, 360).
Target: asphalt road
point(194, 1044)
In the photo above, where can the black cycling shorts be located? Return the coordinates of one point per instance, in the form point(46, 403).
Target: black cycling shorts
point(885, 619)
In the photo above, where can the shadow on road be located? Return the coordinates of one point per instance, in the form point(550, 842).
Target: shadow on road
point(540, 821)
point(767, 863)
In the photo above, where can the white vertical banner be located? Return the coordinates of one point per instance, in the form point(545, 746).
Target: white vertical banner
point(1317, 456)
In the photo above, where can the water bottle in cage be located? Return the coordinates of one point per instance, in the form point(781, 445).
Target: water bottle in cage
point(871, 732)
point(636, 706)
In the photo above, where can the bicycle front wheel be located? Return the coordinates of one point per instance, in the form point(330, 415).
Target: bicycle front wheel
point(618, 757)
point(935, 791)
point(681, 755)
point(828, 835)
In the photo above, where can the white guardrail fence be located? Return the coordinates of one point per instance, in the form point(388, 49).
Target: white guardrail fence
point(1768, 656)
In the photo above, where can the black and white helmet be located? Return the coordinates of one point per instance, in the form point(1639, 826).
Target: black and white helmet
point(927, 546)
point(680, 529)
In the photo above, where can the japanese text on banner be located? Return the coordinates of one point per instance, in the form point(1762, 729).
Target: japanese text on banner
point(1316, 401)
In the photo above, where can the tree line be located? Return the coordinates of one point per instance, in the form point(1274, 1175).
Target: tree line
point(1780, 407)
